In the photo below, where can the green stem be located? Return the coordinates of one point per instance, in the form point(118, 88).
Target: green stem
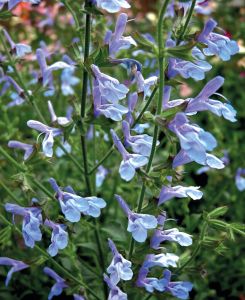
point(161, 62)
point(43, 188)
point(54, 262)
point(85, 165)
point(11, 160)
point(10, 193)
point(186, 22)
point(72, 158)
point(104, 158)
point(197, 248)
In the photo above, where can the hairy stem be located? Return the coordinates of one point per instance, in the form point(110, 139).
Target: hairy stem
point(161, 62)
point(182, 33)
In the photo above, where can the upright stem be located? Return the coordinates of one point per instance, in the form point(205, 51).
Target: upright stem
point(186, 22)
point(11, 160)
point(161, 62)
point(10, 193)
point(83, 140)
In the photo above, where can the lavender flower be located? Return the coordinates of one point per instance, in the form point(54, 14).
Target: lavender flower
point(73, 205)
point(132, 101)
point(138, 224)
point(112, 6)
point(194, 143)
point(46, 71)
point(58, 287)
point(68, 80)
point(161, 260)
point(62, 121)
point(17, 266)
point(172, 235)
point(150, 283)
point(116, 40)
point(27, 148)
point(59, 238)
point(168, 192)
point(120, 268)
point(78, 297)
point(115, 292)
point(109, 88)
point(130, 162)
point(202, 101)
point(144, 85)
point(179, 289)
point(217, 44)
point(32, 220)
point(50, 133)
point(100, 175)
point(187, 69)
point(240, 179)
point(19, 49)
point(140, 144)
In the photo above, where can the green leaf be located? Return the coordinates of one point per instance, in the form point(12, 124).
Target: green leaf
point(184, 51)
point(219, 211)
point(5, 15)
point(144, 42)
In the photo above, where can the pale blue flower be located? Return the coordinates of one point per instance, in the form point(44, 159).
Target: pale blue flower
point(19, 50)
point(27, 148)
point(16, 265)
point(203, 101)
point(115, 292)
point(112, 6)
point(32, 219)
point(100, 176)
point(217, 44)
point(73, 205)
point(240, 179)
point(195, 142)
point(168, 192)
point(140, 144)
point(161, 260)
point(68, 80)
point(172, 235)
point(120, 268)
point(138, 224)
point(50, 134)
point(116, 40)
point(60, 284)
point(59, 238)
point(130, 162)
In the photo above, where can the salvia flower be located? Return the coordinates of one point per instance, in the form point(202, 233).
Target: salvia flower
point(27, 148)
point(58, 287)
point(203, 101)
point(62, 121)
point(19, 49)
point(130, 162)
point(50, 133)
point(150, 283)
point(46, 71)
point(132, 101)
point(144, 85)
point(240, 179)
point(168, 192)
point(218, 44)
point(116, 40)
point(110, 89)
point(59, 238)
point(188, 69)
point(112, 6)
point(120, 268)
point(68, 80)
point(32, 219)
point(115, 292)
point(138, 224)
point(194, 143)
point(140, 144)
point(16, 265)
point(73, 205)
point(179, 289)
point(78, 297)
point(100, 176)
point(161, 260)
point(172, 235)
